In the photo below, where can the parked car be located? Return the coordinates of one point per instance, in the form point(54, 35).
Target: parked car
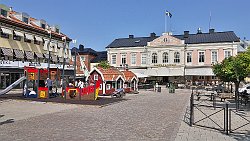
point(245, 87)
point(119, 93)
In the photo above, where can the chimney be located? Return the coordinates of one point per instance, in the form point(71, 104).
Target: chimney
point(211, 30)
point(131, 36)
point(152, 34)
point(10, 9)
point(199, 31)
point(81, 47)
point(186, 33)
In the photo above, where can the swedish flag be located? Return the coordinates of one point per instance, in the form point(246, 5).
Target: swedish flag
point(168, 14)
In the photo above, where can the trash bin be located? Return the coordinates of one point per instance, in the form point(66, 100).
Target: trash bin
point(159, 89)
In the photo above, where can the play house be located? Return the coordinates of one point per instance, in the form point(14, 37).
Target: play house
point(111, 79)
point(131, 81)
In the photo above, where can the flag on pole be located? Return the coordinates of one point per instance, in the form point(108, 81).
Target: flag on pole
point(168, 14)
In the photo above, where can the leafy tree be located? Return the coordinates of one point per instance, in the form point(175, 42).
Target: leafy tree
point(104, 65)
point(234, 69)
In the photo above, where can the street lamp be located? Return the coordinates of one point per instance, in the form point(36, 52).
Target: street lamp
point(75, 42)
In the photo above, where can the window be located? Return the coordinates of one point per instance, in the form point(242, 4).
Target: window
point(4, 35)
point(96, 77)
point(15, 37)
point(73, 58)
point(26, 20)
point(176, 57)
point(133, 58)
point(123, 59)
point(108, 86)
point(228, 53)
point(82, 58)
point(154, 58)
point(201, 57)
point(57, 30)
point(165, 57)
point(113, 59)
point(100, 87)
point(144, 58)
point(43, 26)
point(4, 13)
point(37, 42)
point(214, 57)
point(201, 77)
point(214, 78)
point(189, 57)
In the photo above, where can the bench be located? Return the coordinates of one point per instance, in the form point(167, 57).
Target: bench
point(226, 96)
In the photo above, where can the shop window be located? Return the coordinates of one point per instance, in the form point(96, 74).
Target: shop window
point(165, 57)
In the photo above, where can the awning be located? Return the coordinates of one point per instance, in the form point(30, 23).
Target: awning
point(7, 31)
point(46, 56)
point(199, 71)
point(7, 51)
point(60, 44)
point(28, 36)
point(46, 43)
point(17, 33)
point(140, 75)
point(39, 38)
point(29, 55)
point(39, 55)
point(19, 53)
point(54, 58)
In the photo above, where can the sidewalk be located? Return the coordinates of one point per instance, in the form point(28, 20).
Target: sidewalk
point(202, 130)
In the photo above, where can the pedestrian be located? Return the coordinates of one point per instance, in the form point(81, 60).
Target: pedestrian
point(76, 83)
point(49, 85)
point(80, 84)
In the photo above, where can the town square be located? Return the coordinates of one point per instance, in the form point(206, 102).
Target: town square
point(124, 70)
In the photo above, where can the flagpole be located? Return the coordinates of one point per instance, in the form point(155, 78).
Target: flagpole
point(210, 20)
point(165, 21)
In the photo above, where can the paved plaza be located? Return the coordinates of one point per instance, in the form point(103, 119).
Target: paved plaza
point(148, 115)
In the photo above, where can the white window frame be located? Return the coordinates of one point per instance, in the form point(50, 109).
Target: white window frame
point(113, 59)
point(100, 87)
point(83, 58)
point(199, 53)
point(108, 86)
point(212, 56)
point(201, 77)
point(143, 58)
point(95, 76)
point(123, 56)
point(133, 58)
point(187, 59)
point(165, 57)
point(177, 56)
point(226, 53)
point(154, 58)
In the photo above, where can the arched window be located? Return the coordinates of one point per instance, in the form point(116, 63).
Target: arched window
point(165, 57)
point(176, 57)
point(154, 58)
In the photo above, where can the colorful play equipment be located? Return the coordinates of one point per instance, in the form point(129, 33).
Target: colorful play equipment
point(86, 93)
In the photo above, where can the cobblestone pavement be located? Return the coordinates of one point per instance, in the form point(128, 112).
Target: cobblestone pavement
point(145, 116)
point(205, 129)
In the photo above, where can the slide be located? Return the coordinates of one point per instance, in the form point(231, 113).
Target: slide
point(10, 87)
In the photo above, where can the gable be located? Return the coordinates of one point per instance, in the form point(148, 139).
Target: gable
point(166, 40)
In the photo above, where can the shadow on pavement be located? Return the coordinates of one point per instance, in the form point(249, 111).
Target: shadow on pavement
point(101, 101)
point(6, 121)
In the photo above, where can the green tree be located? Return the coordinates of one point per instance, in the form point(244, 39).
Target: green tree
point(234, 69)
point(104, 65)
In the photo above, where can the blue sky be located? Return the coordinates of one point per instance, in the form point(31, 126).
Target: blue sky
point(96, 23)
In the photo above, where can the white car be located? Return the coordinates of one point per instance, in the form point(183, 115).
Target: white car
point(245, 87)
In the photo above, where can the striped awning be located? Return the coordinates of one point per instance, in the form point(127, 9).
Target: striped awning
point(46, 56)
point(39, 55)
point(19, 53)
point(29, 55)
point(7, 51)
point(54, 58)
point(39, 38)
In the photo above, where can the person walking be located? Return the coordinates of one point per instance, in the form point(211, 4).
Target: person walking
point(49, 85)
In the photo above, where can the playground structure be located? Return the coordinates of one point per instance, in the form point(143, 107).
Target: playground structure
point(34, 86)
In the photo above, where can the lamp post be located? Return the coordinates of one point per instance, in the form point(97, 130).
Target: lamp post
point(74, 41)
point(184, 73)
point(63, 83)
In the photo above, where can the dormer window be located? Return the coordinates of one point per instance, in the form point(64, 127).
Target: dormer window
point(43, 26)
point(26, 20)
point(3, 12)
point(57, 30)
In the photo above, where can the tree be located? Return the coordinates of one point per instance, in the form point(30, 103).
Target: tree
point(104, 65)
point(234, 69)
